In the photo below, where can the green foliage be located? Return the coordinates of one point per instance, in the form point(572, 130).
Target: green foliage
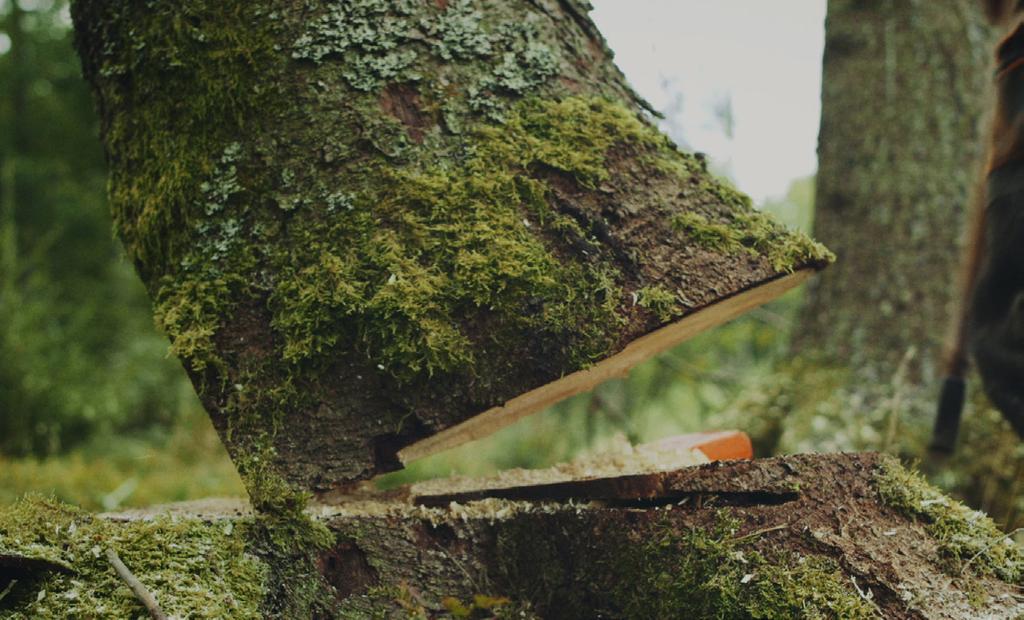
point(716, 574)
point(194, 568)
point(968, 539)
point(111, 471)
point(78, 352)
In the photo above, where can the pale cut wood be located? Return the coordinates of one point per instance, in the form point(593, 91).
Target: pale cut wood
point(617, 365)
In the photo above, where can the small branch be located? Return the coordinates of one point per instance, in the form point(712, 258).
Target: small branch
point(145, 596)
point(7, 590)
point(758, 533)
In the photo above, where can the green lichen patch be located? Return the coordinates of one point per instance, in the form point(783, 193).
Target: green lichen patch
point(968, 540)
point(747, 230)
point(195, 569)
point(369, 37)
point(716, 574)
point(376, 43)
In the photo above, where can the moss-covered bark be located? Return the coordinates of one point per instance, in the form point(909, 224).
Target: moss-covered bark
point(904, 92)
point(364, 221)
point(837, 536)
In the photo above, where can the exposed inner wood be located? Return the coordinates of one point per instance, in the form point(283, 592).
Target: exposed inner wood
point(623, 472)
point(617, 365)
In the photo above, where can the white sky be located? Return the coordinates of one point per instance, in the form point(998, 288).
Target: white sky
point(763, 54)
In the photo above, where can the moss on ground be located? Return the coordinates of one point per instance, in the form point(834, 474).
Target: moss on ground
point(968, 540)
point(195, 569)
point(716, 574)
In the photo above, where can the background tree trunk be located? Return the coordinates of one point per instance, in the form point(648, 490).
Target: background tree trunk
point(13, 145)
point(904, 97)
point(362, 223)
point(904, 92)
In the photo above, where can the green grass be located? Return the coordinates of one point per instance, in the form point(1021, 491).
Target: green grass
point(111, 472)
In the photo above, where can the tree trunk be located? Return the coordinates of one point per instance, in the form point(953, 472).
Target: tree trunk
point(903, 95)
point(14, 146)
point(836, 536)
point(362, 223)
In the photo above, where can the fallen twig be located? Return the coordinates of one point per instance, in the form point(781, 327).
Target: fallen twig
point(766, 530)
point(7, 590)
point(144, 595)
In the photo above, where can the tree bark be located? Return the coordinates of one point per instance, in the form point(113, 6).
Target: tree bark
point(904, 92)
point(832, 536)
point(362, 223)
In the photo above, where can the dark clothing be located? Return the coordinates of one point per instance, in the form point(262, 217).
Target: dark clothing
point(997, 303)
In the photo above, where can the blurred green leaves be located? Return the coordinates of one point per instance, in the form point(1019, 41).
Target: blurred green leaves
point(78, 352)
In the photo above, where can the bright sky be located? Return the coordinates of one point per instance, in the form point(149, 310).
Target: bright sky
point(763, 55)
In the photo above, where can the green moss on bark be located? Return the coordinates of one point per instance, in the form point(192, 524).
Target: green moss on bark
point(191, 74)
point(755, 233)
point(420, 248)
point(659, 300)
point(195, 569)
point(967, 539)
point(716, 574)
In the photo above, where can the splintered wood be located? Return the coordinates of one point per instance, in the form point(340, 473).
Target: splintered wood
point(617, 365)
point(626, 473)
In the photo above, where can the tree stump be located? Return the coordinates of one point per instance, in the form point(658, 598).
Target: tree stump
point(829, 536)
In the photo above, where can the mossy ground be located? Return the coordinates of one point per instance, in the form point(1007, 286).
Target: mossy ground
point(195, 569)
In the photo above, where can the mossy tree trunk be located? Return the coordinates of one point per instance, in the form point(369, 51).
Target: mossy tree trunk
point(904, 92)
point(364, 221)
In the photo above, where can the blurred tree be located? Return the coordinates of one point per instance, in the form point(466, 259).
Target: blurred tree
point(78, 352)
point(905, 89)
point(903, 95)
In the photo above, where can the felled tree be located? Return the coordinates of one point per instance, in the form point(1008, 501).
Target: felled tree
point(364, 222)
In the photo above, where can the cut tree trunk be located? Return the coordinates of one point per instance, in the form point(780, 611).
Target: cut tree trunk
point(845, 536)
point(364, 222)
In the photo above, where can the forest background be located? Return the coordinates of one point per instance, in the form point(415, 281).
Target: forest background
point(94, 411)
